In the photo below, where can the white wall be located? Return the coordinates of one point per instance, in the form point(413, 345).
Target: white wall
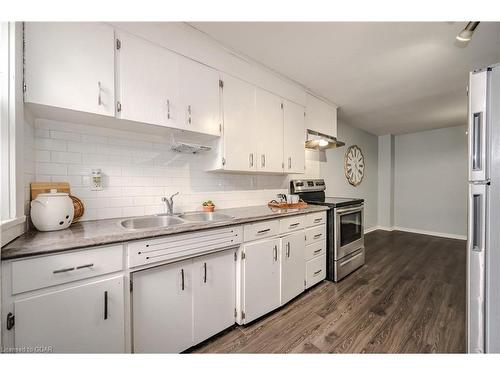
point(330, 166)
point(139, 169)
point(386, 181)
point(431, 181)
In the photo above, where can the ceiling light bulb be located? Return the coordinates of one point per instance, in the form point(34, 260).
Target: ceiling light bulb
point(466, 34)
point(323, 143)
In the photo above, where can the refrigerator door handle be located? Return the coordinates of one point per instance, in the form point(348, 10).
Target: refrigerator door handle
point(476, 245)
point(478, 126)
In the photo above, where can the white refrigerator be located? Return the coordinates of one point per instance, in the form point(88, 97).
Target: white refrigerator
point(483, 237)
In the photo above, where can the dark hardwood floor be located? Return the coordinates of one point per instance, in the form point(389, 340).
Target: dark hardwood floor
point(408, 298)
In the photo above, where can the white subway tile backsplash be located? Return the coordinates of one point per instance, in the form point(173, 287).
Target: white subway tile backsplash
point(66, 157)
point(50, 168)
point(50, 144)
point(55, 134)
point(138, 169)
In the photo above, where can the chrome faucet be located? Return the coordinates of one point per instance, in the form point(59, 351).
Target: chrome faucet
point(169, 203)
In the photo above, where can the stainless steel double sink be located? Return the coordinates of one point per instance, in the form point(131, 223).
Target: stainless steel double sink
point(159, 221)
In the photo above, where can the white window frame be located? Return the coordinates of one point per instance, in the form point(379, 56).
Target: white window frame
point(12, 219)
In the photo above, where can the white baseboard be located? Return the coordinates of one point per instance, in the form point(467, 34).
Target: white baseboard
point(430, 233)
point(418, 231)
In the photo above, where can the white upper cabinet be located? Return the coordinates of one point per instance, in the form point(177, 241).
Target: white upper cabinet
point(269, 130)
point(200, 97)
point(294, 137)
point(321, 116)
point(70, 65)
point(148, 83)
point(239, 126)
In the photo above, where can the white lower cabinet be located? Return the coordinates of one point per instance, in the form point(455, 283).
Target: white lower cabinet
point(213, 294)
point(162, 309)
point(260, 278)
point(292, 265)
point(178, 305)
point(82, 319)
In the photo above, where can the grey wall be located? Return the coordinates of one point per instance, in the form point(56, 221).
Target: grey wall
point(331, 168)
point(386, 181)
point(431, 181)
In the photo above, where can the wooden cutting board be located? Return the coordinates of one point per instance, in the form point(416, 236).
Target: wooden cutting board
point(44, 187)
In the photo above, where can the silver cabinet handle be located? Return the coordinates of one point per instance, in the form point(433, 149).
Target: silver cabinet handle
point(317, 251)
point(62, 270)
point(317, 235)
point(182, 278)
point(317, 272)
point(250, 159)
point(263, 231)
point(205, 272)
point(263, 160)
point(318, 220)
point(288, 249)
point(85, 266)
point(189, 114)
point(275, 256)
point(293, 225)
point(168, 109)
point(289, 162)
point(99, 99)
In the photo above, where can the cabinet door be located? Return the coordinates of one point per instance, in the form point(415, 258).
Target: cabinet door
point(261, 275)
point(321, 116)
point(294, 138)
point(82, 319)
point(70, 65)
point(162, 309)
point(200, 97)
point(148, 82)
point(213, 294)
point(292, 265)
point(240, 130)
point(269, 132)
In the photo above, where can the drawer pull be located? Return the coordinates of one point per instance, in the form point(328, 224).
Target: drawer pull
point(205, 273)
point(263, 231)
point(275, 253)
point(106, 305)
point(182, 279)
point(85, 266)
point(317, 235)
point(317, 251)
point(62, 270)
point(317, 272)
point(318, 220)
point(293, 225)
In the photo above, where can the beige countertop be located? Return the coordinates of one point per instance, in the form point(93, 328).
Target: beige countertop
point(103, 232)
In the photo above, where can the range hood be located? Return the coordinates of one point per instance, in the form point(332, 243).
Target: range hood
point(319, 141)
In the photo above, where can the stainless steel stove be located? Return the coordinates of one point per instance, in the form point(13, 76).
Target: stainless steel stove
point(345, 227)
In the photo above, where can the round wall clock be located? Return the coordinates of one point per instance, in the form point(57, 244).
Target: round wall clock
point(354, 165)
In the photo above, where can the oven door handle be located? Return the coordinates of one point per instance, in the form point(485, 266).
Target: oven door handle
point(343, 211)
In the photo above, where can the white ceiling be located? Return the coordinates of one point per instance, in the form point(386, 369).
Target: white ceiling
point(386, 77)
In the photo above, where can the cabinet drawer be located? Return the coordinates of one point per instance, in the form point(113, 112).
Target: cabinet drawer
point(292, 223)
point(315, 270)
point(260, 230)
point(315, 234)
point(316, 249)
point(36, 273)
point(315, 219)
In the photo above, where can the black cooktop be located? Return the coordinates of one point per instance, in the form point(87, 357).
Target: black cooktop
point(334, 201)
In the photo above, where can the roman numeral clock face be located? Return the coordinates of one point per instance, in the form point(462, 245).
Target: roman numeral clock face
point(354, 165)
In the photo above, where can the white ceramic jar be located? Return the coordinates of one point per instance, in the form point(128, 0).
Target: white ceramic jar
point(52, 211)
